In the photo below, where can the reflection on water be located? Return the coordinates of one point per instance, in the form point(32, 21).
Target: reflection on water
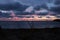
point(26, 24)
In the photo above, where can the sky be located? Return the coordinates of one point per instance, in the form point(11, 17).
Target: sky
point(26, 2)
point(29, 2)
point(32, 2)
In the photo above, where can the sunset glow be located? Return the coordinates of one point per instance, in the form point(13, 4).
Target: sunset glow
point(30, 19)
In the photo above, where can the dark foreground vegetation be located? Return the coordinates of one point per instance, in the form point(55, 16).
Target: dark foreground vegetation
point(31, 34)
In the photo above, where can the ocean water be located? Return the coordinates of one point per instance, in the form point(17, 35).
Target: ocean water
point(28, 25)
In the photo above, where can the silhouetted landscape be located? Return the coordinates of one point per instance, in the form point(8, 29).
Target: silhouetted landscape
point(29, 14)
point(32, 34)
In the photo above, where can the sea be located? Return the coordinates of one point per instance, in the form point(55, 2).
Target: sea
point(28, 24)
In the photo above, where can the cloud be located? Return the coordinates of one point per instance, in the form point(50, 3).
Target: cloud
point(33, 2)
point(57, 2)
point(5, 1)
point(56, 9)
point(29, 9)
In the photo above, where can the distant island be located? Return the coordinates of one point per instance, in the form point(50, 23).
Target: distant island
point(58, 20)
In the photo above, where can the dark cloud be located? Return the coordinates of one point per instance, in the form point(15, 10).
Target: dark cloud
point(26, 2)
point(18, 4)
point(56, 8)
point(57, 2)
point(15, 6)
point(6, 1)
